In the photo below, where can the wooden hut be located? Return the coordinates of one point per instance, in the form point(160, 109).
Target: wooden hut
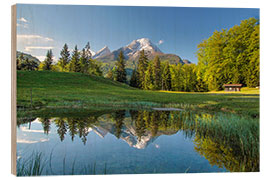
point(232, 87)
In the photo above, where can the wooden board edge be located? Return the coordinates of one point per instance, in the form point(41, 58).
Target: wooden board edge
point(13, 88)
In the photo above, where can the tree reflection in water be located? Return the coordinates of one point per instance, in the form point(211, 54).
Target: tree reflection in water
point(224, 140)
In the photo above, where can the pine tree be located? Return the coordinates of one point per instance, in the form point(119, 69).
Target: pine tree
point(157, 73)
point(74, 63)
point(134, 81)
point(95, 68)
point(177, 77)
point(48, 61)
point(61, 128)
point(121, 74)
point(149, 80)
point(142, 67)
point(166, 77)
point(84, 62)
point(64, 59)
point(88, 53)
point(118, 118)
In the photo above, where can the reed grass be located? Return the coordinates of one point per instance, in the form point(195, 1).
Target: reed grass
point(237, 134)
point(35, 166)
point(32, 166)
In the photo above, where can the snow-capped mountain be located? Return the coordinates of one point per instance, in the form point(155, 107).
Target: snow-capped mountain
point(92, 53)
point(138, 45)
point(102, 52)
point(129, 132)
point(132, 51)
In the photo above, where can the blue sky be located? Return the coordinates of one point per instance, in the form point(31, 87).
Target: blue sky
point(176, 30)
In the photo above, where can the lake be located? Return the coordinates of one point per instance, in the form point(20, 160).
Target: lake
point(127, 142)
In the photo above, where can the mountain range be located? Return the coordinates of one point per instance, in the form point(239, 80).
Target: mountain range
point(128, 133)
point(132, 51)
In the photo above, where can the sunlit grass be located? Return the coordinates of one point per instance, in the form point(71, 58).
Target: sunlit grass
point(243, 91)
point(76, 90)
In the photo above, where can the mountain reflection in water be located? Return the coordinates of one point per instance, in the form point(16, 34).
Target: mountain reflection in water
point(140, 128)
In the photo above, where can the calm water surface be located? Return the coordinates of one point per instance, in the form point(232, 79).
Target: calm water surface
point(116, 142)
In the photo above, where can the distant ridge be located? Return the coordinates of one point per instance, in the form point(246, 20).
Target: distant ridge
point(102, 52)
point(132, 51)
point(29, 56)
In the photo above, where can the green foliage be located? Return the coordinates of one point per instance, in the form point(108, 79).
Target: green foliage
point(47, 63)
point(189, 78)
point(19, 61)
point(177, 77)
point(84, 62)
point(228, 141)
point(75, 61)
point(64, 58)
point(166, 77)
point(95, 68)
point(26, 62)
point(148, 78)
point(28, 65)
point(142, 67)
point(121, 75)
point(134, 81)
point(118, 117)
point(230, 56)
point(253, 70)
point(110, 74)
point(157, 73)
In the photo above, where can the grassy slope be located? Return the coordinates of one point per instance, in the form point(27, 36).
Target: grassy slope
point(57, 89)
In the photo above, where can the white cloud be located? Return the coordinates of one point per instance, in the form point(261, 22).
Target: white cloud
point(31, 141)
point(26, 141)
point(33, 37)
point(22, 19)
point(26, 129)
point(22, 25)
point(30, 48)
point(22, 22)
point(160, 42)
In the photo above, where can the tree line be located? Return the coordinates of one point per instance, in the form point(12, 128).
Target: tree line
point(228, 56)
point(155, 75)
point(78, 61)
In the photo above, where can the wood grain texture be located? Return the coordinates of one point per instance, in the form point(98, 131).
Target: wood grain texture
point(13, 88)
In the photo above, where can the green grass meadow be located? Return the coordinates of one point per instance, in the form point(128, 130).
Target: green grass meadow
point(46, 89)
